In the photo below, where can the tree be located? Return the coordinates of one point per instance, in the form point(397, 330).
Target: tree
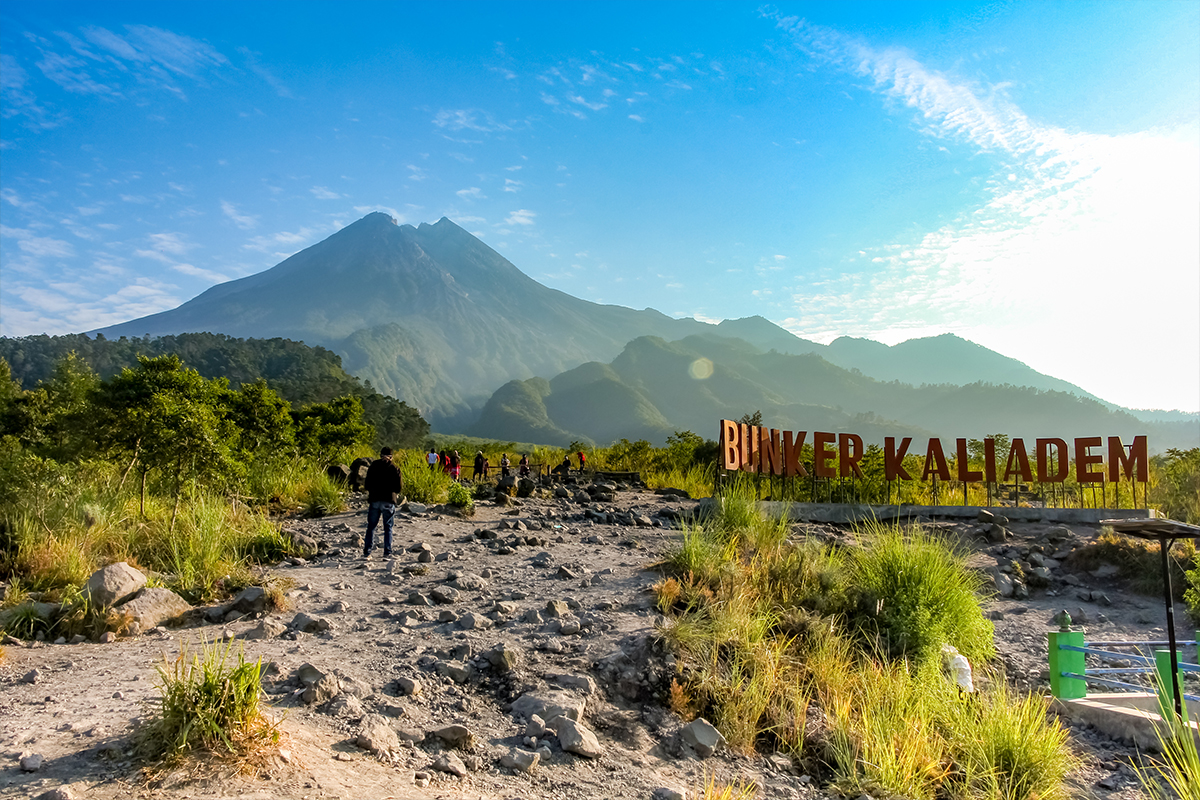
point(681, 449)
point(324, 430)
point(752, 419)
point(168, 419)
point(263, 420)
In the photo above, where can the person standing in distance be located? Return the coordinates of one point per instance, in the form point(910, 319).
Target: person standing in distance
point(432, 459)
point(384, 487)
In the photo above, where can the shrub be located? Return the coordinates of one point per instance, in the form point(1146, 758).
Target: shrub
point(207, 703)
point(459, 497)
point(422, 484)
point(916, 594)
point(322, 496)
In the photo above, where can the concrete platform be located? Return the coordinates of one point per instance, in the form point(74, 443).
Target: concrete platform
point(845, 513)
point(1129, 716)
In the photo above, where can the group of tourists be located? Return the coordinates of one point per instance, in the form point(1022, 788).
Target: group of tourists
point(385, 485)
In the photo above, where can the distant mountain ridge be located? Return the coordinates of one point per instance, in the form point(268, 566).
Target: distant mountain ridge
point(432, 315)
point(652, 389)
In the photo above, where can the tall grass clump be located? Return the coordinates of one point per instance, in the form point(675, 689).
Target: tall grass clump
point(208, 703)
point(917, 594)
point(321, 495)
point(1176, 773)
point(696, 479)
point(766, 627)
point(422, 484)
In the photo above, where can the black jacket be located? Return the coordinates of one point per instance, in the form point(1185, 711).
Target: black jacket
point(383, 482)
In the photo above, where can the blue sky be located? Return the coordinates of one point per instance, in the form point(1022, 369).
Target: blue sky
point(1026, 175)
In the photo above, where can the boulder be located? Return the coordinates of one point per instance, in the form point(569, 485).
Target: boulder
point(113, 584)
point(519, 759)
point(338, 473)
point(452, 764)
point(251, 600)
point(575, 737)
point(703, 737)
point(152, 607)
point(548, 705)
point(525, 487)
point(358, 473)
point(376, 734)
point(457, 736)
point(267, 629)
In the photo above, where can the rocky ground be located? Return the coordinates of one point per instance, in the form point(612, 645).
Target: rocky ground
point(508, 655)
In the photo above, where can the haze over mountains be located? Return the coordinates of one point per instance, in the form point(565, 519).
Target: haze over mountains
point(437, 318)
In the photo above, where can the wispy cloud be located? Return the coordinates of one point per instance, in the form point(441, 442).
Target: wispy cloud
point(520, 217)
point(323, 193)
point(471, 119)
point(197, 272)
point(473, 193)
point(244, 221)
point(1066, 215)
point(38, 246)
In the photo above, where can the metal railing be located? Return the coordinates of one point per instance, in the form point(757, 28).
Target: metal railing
point(1070, 676)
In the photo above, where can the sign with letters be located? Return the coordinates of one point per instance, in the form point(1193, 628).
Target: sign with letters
point(767, 451)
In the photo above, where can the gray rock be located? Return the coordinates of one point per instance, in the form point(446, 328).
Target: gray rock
point(345, 706)
point(113, 584)
point(418, 599)
point(452, 764)
point(536, 727)
point(456, 736)
point(582, 682)
point(472, 621)
point(33, 676)
point(444, 595)
point(376, 734)
point(574, 737)
point(455, 671)
point(306, 624)
point(267, 629)
point(58, 793)
point(468, 583)
point(504, 657)
point(408, 686)
point(557, 609)
point(703, 737)
point(519, 759)
point(548, 705)
point(32, 762)
point(251, 600)
point(152, 607)
point(1004, 584)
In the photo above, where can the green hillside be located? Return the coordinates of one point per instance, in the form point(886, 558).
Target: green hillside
point(654, 387)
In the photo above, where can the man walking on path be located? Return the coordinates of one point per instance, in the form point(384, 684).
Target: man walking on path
point(384, 488)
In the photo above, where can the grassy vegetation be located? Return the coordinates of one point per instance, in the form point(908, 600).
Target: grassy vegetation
point(768, 629)
point(207, 703)
point(1176, 774)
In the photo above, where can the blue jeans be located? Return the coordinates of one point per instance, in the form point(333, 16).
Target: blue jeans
point(375, 512)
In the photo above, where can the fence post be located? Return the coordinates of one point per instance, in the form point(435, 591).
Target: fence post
point(1066, 661)
point(1166, 697)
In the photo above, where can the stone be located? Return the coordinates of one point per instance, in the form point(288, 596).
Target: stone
point(472, 621)
point(421, 779)
point(456, 736)
point(345, 706)
point(532, 616)
point(113, 584)
point(416, 508)
point(58, 793)
point(444, 595)
point(108, 637)
point(33, 676)
point(251, 600)
point(575, 737)
point(519, 759)
point(703, 737)
point(452, 764)
point(668, 793)
point(570, 627)
point(32, 762)
point(306, 624)
point(548, 705)
point(468, 583)
point(448, 616)
point(504, 657)
point(424, 557)
point(418, 599)
point(536, 727)
point(267, 629)
point(457, 672)
point(582, 682)
point(525, 487)
point(557, 609)
point(1004, 584)
point(408, 686)
point(376, 735)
